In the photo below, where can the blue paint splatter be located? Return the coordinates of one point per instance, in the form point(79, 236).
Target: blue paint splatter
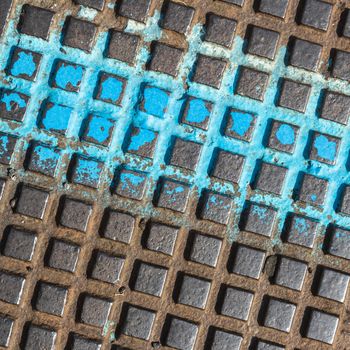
point(326, 149)
point(197, 111)
point(88, 172)
point(260, 211)
point(24, 65)
point(56, 118)
point(12, 98)
point(241, 122)
point(301, 225)
point(155, 101)
point(99, 129)
point(313, 197)
point(68, 74)
point(111, 90)
point(4, 141)
point(285, 134)
point(169, 190)
point(45, 159)
point(140, 139)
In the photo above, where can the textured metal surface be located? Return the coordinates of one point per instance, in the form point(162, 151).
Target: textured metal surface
point(174, 174)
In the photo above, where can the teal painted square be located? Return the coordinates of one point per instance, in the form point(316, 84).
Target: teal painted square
point(13, 105)
point(7, 146)
point(197, 113)
point(154, 101)
point(142, 142)
point(67, 76)
point(98, 130)
point(131, 184)
point(24, 64)
point(55, 117)
point(239, 125)
point(44, 159)
point(86, 171)
point(110, 88)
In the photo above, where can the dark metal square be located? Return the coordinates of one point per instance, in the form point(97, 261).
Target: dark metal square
point(196, 112)
point(142, 142)
point(335, 107)
point(135, 9)
point(24, 64)
point(11, 287)
point(294, 95)
point(283, 136)
point(313, 190)
point(324, 148)
point(13, 105)
point(131, 184)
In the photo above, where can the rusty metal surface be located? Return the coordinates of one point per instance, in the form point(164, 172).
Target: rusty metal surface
point(192, 193)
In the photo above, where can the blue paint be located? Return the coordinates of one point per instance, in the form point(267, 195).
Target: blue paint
point(4, 141)
point(99, 129)
point(241, 122)
point(45, 159)
point(197, 112)
point(87, 171)
point(326, 149)
point(285, 134)
point(56, 118)
point(68, 74)
point(111, 90)
point(11, 99)
point(301, 225)
point(155, 101)
point(24, 65)
point(132, 181)
point(142, 138)
point(260, 211)
point(169, 190)
point(313, 197)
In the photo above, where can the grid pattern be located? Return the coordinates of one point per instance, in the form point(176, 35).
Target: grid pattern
point(163, 202)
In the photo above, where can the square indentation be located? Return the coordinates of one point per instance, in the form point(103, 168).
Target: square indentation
point(43, 159)
point(262, 42)
point(300, 230)
point(117, 226)
point(313, 190)
point(239, 124)
point(7, 146)
point(161, 238)
point(209, 71)
point(219, 339)
point(252, 83)
point(185, 153)
point(294, 95)
point(62, 255)
point(110, 88)
point(35, 21)
point(131, 184)
point(335, 107)
point(154, 101)
point(220, 30)
point(165, 59)
point(321, 326)
point(50, 298)
point(215, 207)
point(54, 117)
point(94, 311)
point(258, 219)
point(324, 148)
point(227, 166)
point(38, 337)
point(106, 267)
point(278, 314)
point(24, 64)
point(123, 46)
point(173, 195)
point(134, 9)
point(247, 261)
point(179, 333)
point(11, 287)
point(98, 130)
point(339, 67)
point(148, 278)
point(196, 112)
point(142, 142)
point(339, 242)
point(18, 243)
point(270, 178)
point(192, 291)
point(138, 322)
point(283, 136)
point(6, 324)
point(272, 7)
point(331, 284)
point(203, 249)
point(304, 54)
point(290, 273)
point(13, 105)
point(75, 214)
point(234, 302)
point(67, 76)
point(79, 34)
point(85, 171)
point(176, 17)
point(32, 202)
point(77, 342)
point(314, 13)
